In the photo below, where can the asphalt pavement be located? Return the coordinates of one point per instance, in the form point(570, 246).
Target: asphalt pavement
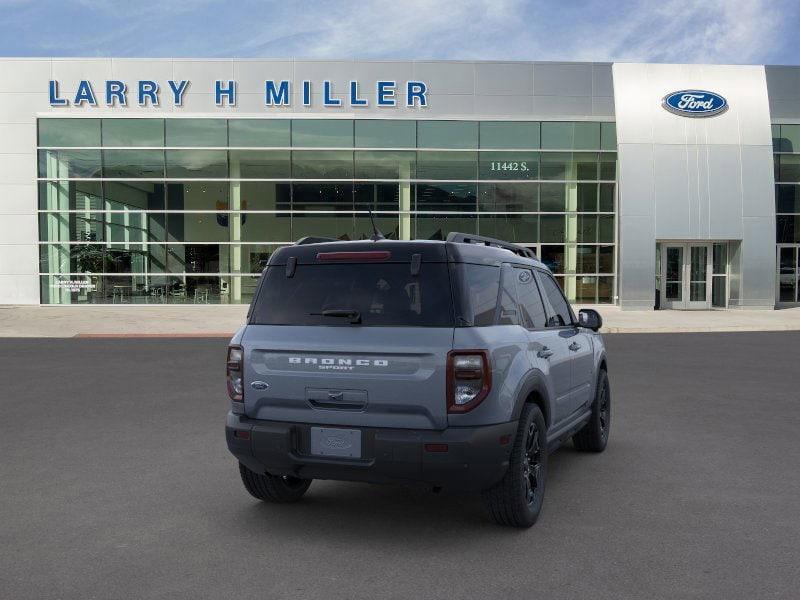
point(115, 482)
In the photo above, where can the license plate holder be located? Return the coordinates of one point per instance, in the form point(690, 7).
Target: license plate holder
point(336, 442)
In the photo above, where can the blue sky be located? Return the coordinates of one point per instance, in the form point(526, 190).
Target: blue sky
point(713, 31)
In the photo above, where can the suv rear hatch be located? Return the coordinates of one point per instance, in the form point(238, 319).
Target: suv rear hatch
point(351, 334)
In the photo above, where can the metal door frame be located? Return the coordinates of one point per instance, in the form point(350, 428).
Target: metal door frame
point(686, 251)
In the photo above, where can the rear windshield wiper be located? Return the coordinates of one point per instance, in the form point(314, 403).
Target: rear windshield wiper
point(346, 313)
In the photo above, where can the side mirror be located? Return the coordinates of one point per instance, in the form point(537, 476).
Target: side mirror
point(590, 318)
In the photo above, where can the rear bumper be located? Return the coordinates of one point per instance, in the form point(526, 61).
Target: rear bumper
point(476, 457)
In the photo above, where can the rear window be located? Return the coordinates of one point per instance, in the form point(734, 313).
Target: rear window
point(383, 294)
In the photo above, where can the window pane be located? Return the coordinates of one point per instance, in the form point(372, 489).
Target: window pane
point(388, 224)
point(608, 166)
point(133, 132)
point(790, 138)
point(587, 197)
point(380, 133)
point(788, 229)
point(586, 289)
point(322, 197)
point(197, 227)
point(71, 227)
point(265, 227)
point(557, 135)
point(587, 229)
point(553, 197)
point(789, 170)
point(509, 165)
point(606, 197)
point(509, 134)
point(530, 299)
point(197, 132)
point(333, 225)
point(553, 258)
point(132, 195)
point(381, 196)
point(510, 309)
point(517, 228)
point(787, 263)
point(447, 165)
point(587, 259)
point(720, 263)
point(608, 136)
point(605, 229)
point(509, 197)
point(480, 284)
point(438, 227)
point(605, 290)
point(70, 195)
point(198, 195)
point(562, 313)
point(270, 133)
point(447, 134)
point(62, 164)
point(197, 258)
point(263, 195)
point(69, 132)
point(446, 197)
point(587, 136)
point(552, 228)
point(260, 164)
point(585, 166)
point(556, 165)
point(322, 164)
point(197, 163)
point(606, 259)
point(133, 164)
point(385, 165)
point(787, 198)
point(322, 133)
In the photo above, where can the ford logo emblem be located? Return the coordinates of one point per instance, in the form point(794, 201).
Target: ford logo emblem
point(695, 103)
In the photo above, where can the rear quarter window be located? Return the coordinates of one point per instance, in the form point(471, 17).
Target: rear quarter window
point(384, 294)
point(477, 288)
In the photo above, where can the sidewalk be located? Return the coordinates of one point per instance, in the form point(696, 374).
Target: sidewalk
point(221, 321)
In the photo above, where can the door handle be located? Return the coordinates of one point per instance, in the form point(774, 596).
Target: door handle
point(574, 346)
point(545, 352)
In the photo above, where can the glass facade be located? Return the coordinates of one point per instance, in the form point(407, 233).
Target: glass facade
point(786, 148)
point(189, 210)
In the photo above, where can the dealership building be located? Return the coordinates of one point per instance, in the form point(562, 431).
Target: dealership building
point(161, 181)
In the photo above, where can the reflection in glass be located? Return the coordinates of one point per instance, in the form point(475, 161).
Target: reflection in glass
point(64, 164)
point(198, 133)
point(509, 165)
point(509, 134)
point(509, 197)
point(447, 165)
point(258, 133)
point(260, 164)
point(447, 134)
point(65, 133)
point(132, 164)
point(322, 164)
point(384, 133)
point(322, 133)
point(197, 164)
point(133, 132)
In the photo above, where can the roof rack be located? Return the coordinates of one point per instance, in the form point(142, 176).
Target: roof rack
point(310, 239)
point(469, 238)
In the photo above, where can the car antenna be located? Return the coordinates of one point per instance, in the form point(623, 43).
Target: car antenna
point(376, 233)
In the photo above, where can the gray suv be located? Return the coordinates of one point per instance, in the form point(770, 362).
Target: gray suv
point(454, 363)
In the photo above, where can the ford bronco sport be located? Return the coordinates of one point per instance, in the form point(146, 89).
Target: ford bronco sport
point(454, 363)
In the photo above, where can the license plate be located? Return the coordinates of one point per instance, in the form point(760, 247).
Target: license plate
point(327, 441)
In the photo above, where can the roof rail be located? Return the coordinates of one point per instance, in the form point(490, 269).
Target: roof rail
point(469, 238)
point(310, 239)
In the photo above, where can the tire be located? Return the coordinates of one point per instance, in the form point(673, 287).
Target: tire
point(594, 435)
point(272, 488)
point(516, 500)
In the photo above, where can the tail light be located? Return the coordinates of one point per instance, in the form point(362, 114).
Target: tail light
point(235, 372)
point(469, 379)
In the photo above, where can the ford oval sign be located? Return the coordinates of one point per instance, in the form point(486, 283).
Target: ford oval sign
point(695, 103)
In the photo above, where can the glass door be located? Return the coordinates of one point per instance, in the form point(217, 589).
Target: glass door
point(686, 275)
point(788, 274)
point(672, 276)
point(699, 276)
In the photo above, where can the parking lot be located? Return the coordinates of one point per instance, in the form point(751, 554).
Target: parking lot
point(116, 483)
